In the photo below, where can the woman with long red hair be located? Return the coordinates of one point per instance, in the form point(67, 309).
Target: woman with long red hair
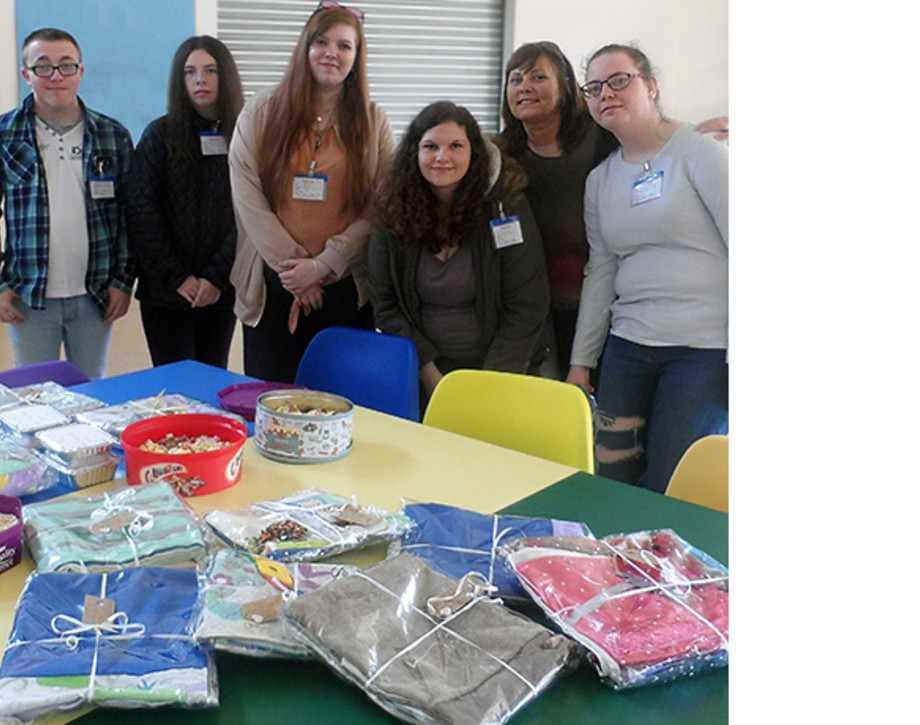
point(304, 164)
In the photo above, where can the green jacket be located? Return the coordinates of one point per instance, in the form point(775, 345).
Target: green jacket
point(512, 292)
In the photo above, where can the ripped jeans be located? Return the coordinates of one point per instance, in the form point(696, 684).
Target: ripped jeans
point(652, 403)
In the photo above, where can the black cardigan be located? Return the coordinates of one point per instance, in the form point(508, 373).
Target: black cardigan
point(180, 217)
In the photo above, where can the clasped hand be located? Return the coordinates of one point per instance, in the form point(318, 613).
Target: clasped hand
point(198, 292)
point(303, 278)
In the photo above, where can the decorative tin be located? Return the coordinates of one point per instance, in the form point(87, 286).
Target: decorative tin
point(303, 426)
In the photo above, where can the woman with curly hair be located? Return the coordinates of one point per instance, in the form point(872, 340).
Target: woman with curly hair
point(180, 212)
point(458, 267)
point(304, 164)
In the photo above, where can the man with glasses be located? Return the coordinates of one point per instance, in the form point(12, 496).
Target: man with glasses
point(67, 272)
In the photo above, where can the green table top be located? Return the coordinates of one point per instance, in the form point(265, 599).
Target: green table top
point(276, 692)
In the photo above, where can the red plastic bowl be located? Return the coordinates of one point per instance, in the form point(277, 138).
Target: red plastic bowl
point(191, 474)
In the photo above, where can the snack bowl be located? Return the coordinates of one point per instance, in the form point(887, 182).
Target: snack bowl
point(303, 426)
point(10, 532)
point(190, 473)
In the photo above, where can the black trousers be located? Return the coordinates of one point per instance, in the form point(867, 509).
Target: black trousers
point(271, 352)
point(203, 334)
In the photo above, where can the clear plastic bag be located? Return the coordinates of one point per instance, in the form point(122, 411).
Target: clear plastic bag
point(309, 525)
point(648, 606)
point(121, 640)
point(23, 473)
point(58, 397)
point(428, 648)
point(148, 525)
point(241, 596)
point(456, 541)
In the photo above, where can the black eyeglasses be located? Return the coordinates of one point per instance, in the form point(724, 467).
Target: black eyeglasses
point(46, 70)
point(617, 82)
point(329, 5)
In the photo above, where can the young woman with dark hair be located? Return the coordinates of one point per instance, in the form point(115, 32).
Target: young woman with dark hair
point(180, 212)
point(458, 267)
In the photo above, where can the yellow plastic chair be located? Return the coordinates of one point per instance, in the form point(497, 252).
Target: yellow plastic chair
point(701, 476)
point(545, 418)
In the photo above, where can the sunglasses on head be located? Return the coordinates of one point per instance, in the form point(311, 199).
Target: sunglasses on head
point(329, 5)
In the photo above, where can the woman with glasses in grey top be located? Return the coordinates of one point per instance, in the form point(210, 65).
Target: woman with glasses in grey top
point(655, 296)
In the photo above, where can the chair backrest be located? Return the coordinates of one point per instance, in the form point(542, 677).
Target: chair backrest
point(539, 416)
point(369, 368)
point(59, 371)
point(701, 476)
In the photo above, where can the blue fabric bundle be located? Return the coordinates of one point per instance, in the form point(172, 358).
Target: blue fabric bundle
point(455, 541)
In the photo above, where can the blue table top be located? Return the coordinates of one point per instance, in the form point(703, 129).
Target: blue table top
point(178, 377)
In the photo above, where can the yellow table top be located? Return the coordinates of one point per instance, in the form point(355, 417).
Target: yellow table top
point(392, 461)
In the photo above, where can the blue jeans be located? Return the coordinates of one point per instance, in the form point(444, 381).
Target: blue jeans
point(74, 321)
point(652, 403)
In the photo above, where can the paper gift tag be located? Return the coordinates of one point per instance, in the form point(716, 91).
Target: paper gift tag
point(116, 522)
point(96, 610)
point(352, 515)
point(262, 610)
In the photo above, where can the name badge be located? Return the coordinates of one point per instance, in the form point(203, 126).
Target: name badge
point(102, 187)
point(506, 232)
point(647, 187)
point(213, 143)
point(308, 187)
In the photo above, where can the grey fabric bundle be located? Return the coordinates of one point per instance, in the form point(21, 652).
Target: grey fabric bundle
point(480, 664)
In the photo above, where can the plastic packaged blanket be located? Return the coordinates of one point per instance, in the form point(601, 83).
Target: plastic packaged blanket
point(58, 397)
point(148, 525)
point(427, 648)
point(311, 524)
point(120, 640)
point(115, 418)
point(648, 606)
point(22, 473)
point(240, 598)
point(455, 541)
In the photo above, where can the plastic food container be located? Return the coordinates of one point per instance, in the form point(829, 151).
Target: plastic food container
point(81, 476)
point(78, 445)
point(10, 532)
point(241, 398)
point(23, 422)
point(303, 426)
point(191, 474)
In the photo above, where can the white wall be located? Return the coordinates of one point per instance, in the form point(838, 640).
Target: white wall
point(687, 40)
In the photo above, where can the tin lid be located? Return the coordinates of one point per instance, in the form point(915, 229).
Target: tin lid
point(31, 418)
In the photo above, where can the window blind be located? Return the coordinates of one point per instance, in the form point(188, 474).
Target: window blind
point(419, 51)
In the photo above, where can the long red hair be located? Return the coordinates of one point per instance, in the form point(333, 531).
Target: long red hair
point(290, 115)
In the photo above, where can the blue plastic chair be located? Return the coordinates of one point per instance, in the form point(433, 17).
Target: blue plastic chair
point(369, 368)
point(59, 371)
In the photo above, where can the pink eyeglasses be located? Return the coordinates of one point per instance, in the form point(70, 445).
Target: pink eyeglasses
point(329, 5)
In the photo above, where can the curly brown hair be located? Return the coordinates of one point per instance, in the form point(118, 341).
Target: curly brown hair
point(407, 203)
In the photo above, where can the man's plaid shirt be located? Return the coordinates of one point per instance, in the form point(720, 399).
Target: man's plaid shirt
point(24, 196)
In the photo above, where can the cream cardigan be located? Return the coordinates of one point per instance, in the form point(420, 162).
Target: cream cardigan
point(261, 239)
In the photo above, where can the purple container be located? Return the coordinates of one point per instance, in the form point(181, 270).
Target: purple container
point(10, 538)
